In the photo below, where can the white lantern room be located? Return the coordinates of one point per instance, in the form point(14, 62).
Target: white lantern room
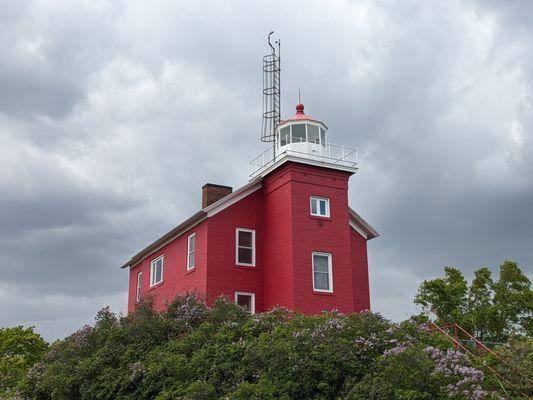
point(302, 138)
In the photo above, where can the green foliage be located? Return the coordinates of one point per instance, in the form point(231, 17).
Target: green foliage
point(445, 297)
point(492, 311)
point(401, 376)
point(19, 349)
point(195, 352)
point(514, 361)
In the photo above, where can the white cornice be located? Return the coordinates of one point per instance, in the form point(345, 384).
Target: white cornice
point(232, 198)
point(361, 226)
point(301, 160)
point(358, 229)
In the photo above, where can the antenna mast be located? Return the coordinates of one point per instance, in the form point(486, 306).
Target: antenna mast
point(271, 92)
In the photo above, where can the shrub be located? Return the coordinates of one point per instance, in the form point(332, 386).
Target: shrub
point(196, 352)
point(20, 348)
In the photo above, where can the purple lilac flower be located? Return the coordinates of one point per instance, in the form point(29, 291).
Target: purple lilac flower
point(456, 366)
point(400, 348)
point(36, 371)
point(81, 337)
point(136, 370)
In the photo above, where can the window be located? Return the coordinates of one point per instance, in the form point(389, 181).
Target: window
point(313, 133)
point(245, 247)
point(298, 133)
point(191, 250)
point(322, 272)
point(285, 135)
point(246, 300)
point(322, 137)
point(156, 271)
point(319, 206)
point(139, 286)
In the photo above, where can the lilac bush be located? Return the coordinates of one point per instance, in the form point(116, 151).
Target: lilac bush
point(465, 380)
point(221, 351)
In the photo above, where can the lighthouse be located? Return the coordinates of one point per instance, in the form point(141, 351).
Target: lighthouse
point(286, 238)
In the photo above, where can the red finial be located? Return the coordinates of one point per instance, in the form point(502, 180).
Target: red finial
point(300, 108)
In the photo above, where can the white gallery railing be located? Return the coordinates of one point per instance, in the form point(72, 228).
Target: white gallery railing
point(329, 154)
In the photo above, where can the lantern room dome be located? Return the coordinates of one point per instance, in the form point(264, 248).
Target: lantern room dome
point(300, 115)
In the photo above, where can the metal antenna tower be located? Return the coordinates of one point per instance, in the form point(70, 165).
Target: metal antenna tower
point(271, 92)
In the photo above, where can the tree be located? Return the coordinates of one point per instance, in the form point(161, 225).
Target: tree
point(19, 349)
point(479, 304)
point(513, 302)
point(490, 310)
point(444, 297)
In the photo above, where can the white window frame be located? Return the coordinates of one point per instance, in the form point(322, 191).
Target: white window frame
point(330, 271)
point(152, 270)
point(252, 295)
point(139, 286)
point(189, 252)
point(318, 200)
point(252, 231)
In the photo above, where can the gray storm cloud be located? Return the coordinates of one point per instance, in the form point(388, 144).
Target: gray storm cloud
point(114, 114)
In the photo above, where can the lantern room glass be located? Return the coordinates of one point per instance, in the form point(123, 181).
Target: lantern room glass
point(300, 133)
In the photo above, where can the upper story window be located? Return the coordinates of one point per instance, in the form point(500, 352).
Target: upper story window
point(139, 286)
point(245, 247)
point(191, 251)
point(322, 272)
point(319, 206)
point(156, 271)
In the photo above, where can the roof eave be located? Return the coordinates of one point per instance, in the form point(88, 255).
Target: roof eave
point(167, 237)
point(191, 222)
point(370, 231)
point(304, 119)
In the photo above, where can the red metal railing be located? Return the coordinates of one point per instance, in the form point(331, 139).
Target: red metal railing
point(481, 348)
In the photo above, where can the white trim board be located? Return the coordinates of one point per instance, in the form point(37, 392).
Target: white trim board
point(358, 230)
point(232, 198)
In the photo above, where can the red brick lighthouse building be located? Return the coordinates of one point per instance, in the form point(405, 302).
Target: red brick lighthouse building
point(286, 238)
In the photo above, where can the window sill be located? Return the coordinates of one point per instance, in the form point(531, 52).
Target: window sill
point(320, 218)
point(188, 271)
point(156, 285)
point(323, 293)
point(253, 267)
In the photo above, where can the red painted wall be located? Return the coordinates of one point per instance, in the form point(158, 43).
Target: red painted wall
point(278, 240)
point(176, 278)
point(224, 277)
point(286, 235)
point(291, 235)
point(328, 235)
point(360, 271)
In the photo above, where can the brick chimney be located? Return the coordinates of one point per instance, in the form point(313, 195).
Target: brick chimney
point(212, 193)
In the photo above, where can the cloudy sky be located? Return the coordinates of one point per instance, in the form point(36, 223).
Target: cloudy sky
point(113, 114)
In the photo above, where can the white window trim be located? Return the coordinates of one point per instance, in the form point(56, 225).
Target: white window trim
point(252, 231)
point(318, 198)
point(139, 286)
point(252, 308)
point(330, 271)
point(189, 251)
point(152, 270)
